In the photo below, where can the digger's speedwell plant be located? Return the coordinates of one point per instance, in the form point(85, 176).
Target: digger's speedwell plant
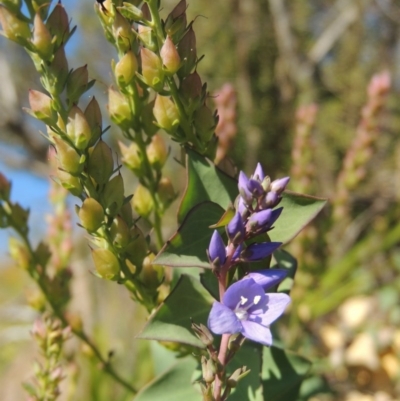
point(219, 314)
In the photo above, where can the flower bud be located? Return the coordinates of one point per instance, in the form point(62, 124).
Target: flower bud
point(137, 248)
point(147, 118)
point(5, 188)
point(216, 250)
point(152, 72)
point(58, 71)
point(142, 201)
point(157, 152)
point(279, 185)
point(77, 84)
point(19, 253)
point(235, 229)
point(41, 107)
point(78, 129)
point(191, 86)
point(258, 173)
point(14, 28)
point(113, 195)
point(203, 333)
point(70, 183)
point(36, 299)
point(262, 221)
point(243, 188)
point(205, 123)
point(146, 36)
point(131, 12)
point(208, 369)
point(58, 24)
point(126, 213)
point(187, 52)
point(41, 38)
point(166, 192)
point(125, 69)
point(119, 233)
point(151, 275)
point(91, 214)
point(258, 251)
point(94, 119)
point(101, 163)
point(123, 33)
point(170, 56)
point(68, 157)
point(132, 157)
point(106, 263)
point(166, 113)
point(119, 109)
point(176, 22)
point(236, 376)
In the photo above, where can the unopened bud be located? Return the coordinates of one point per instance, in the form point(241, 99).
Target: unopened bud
point(236, 376)
point(119, 232)
point(14, 28)
point(68, 157)
point(101, 163)
point(94, 119)
point(137, 248)
point(59, 71)
point(151, 275)
point(191, 86)
point(58, 24)
point(147, 118)
point(70, 183)
point(203, 333)
point(187, 52)
point(77, 83)
point(166, 113)
point(106, 263)
point(126, 213)
point(123, 32)
point(41, 38)
point(91, 214)
point(119, 109)
point(36, 299)
point(78, 129)
point(41, 107)
point(125, 69)
point(166, 192)
point(205, 123)
point(152, 69)
point(132, 157)
point(131, 12)
point(157, 152)
point(208, 369)
point(113, 195)
point(170, 56)
point(146, 36)
point(142, 201)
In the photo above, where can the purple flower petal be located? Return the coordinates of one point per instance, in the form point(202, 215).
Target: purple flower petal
point(242, 208)
point(222, 320)
point(271, 199)
point(259, 173)
point(255, 187)
point(243, 188)
point(257, 333)
point(242, 293)
point(259, 219)
point(267, 278)
point(235, 228)
point(238, 251)
point(279, 185)
point(217, 248)
point(260, 251)
point(277, 303)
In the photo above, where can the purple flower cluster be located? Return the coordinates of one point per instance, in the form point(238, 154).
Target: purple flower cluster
point(247, 309)
point(254, 215)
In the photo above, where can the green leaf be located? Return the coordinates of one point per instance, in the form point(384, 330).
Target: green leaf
point(172, 320)
point(298, 211)
point(173, 385)
point(205, 182)
point(285, 261)
point(187, 247)
point(250, 387)
point(282, 374)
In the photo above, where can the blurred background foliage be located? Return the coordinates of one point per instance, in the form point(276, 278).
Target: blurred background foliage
point(304, 103)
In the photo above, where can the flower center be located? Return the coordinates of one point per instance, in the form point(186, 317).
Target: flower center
point(241, 310)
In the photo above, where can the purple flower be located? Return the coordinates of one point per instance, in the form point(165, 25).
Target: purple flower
point(279, 185)
point(258, 251)
point(235, 229)
point(271, 199)
point(259, 173)
point(216, 249)
point(243, 188)
point(262, 221)
point(246, 309)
